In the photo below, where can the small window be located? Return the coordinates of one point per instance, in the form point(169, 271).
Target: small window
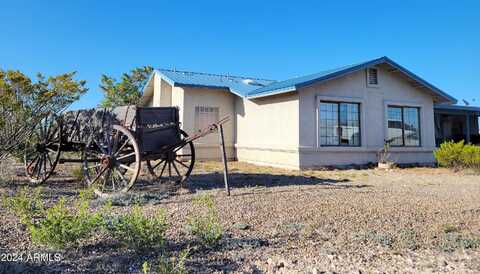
point(403, 126)
point(372, 77)
point(205, 116)
point(339, 124)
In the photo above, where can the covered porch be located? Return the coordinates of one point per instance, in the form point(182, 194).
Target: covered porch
point(456, 123)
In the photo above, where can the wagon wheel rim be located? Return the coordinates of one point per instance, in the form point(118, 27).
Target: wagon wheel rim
point(174, 166)
point(111, 161)
point(42, 150)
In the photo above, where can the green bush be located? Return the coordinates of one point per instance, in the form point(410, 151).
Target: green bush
point(63, 227)
point(25, 206)
point(138, 231)
point(471, 156)
point(458, 155)
point(204, 223)
point(449, 154)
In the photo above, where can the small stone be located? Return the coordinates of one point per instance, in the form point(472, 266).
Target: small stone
point(241, 226)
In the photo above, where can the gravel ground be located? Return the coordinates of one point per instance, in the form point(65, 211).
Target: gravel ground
point(277, 221)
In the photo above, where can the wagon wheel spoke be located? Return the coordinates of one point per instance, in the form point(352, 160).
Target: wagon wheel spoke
point(42, 149)
point(181, 163)
point(159, 163)
point(176, 169)
point(108, 152)
point(127, 168)
point(126, 156)
point(175, 165)
point(121, 147)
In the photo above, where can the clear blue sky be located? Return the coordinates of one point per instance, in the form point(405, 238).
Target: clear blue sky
point(438, 40)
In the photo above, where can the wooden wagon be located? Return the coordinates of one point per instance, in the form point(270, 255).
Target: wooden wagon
point(111, 145)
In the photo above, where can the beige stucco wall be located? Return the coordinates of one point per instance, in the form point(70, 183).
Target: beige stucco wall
point(208, 146)
point(268, 130)
point(281, 130)
point(394, 89)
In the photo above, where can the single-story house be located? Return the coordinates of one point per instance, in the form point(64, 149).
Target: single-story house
point(341, 116)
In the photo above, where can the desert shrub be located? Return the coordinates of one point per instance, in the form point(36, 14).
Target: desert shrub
point(168, 264)
point(385, 240)
point(203, 223)
point(470, 157)
point(408, 238)
point(26, 206)
point(138, 231)
point(450, 154)
point(458, 155)
point(62, 227)
point(454, 241)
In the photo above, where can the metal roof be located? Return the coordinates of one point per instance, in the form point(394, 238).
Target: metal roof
point(236, 84)
point(295, 83)
point(250, 87)
point(458, 108)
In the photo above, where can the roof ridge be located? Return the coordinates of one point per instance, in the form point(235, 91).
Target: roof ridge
point(213, 74)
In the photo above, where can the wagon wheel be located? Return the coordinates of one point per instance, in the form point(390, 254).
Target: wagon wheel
point(175, 165)
point(111, 161)
point(42, 149)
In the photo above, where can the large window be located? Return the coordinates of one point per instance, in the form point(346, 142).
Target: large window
point(339, 124)
point(403, 126)
point(205, 116)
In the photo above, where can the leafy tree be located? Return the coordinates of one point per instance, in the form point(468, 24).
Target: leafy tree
point(24, 103)
point(128, 90)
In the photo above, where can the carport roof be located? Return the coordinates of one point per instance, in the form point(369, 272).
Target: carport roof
point(458, 108)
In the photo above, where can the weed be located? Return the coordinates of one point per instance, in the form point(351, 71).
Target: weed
point(204, 222)
point(448, 228)
point(168, 264)
point(384, 240)
point(25, 206)
point(408, 238)
point(138, 231)
point(173, 265)
point(146, 267)
point(453, 241)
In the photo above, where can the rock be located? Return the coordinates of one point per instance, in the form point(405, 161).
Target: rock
point(241, 226)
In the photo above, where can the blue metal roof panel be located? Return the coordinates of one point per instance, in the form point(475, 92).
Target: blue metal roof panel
point(255, 87)
point(239, 85)
point(303, 81)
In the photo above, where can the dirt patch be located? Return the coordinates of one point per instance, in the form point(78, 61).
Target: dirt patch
point(404, 220)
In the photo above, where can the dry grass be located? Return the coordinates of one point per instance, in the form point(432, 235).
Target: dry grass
point(404, 220)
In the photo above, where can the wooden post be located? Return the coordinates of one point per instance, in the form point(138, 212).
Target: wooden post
point(224, 159)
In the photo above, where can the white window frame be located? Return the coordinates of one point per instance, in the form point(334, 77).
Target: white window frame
point(368, 77)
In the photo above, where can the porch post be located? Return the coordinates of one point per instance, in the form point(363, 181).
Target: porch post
point(467, 139)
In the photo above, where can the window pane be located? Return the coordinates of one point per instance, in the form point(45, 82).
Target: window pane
point(411, 126)
point(205, 116)
point(349, 124)
point(395, 126)
point(328, 124)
